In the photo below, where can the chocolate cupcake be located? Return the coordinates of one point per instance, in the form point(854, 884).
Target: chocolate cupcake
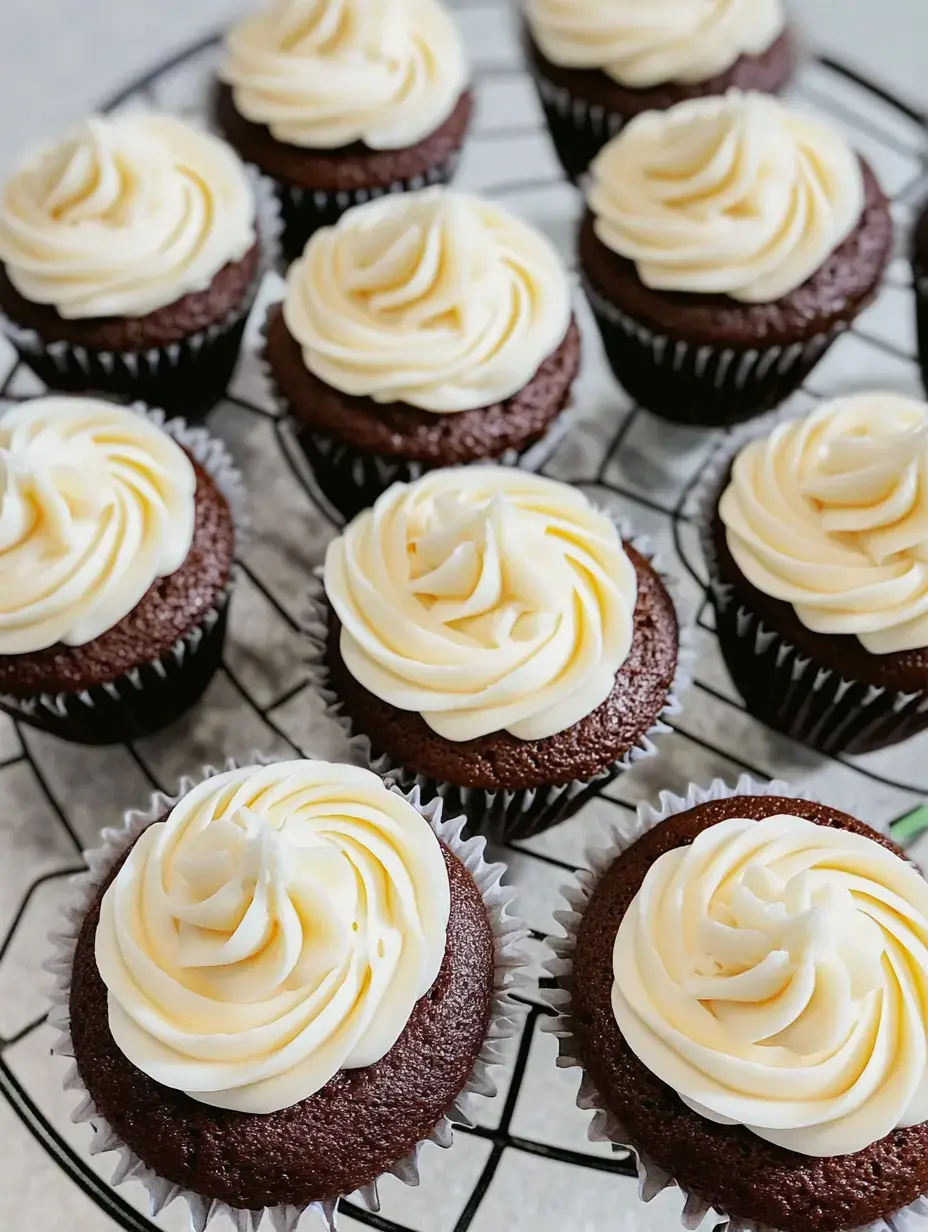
point(727, 243)
point(339, 104)
point(277, 986)
point(744, 987)
point(815, 533)
point(130, 259)
point(496, 642)
point(920, 278)
point(424, 331)
point(598, 64)
point(117, 536)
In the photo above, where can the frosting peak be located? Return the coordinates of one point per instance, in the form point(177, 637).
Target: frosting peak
point(324, 73)
point(436, 299)
point(736, 195)
point(445, 610)
point(96, 503)
point(643, 43)
point(277, 927)
point(830, 513)
point(124, 216)
point(775, 974)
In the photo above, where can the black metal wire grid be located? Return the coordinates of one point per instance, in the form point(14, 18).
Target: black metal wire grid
point(837, 90)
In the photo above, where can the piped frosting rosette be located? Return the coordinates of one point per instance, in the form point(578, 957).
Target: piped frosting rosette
point(645, 43)
point(772, 973)
point(273, 924)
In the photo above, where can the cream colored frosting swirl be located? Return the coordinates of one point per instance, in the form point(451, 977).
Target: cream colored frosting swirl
point(736, 195)
point(324, 73)
point(642, 43)
point(830, 513)
point(486, 599)
point(775, 975)
point(435, 299)
point(96, 503)
point(278, 927)
point(123, 216)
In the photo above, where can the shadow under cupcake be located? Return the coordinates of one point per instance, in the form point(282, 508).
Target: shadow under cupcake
point(131, 257)
point(727, 244)
point(596, 66)
point(118, 571)
point(425, 331)
point(496, 642)
point(335, 119)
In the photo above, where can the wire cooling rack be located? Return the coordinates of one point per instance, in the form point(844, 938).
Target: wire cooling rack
point(527, 1164)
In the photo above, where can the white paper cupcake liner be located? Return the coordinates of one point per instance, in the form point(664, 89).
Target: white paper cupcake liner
point(793, 692)
point(157, 373)
point(709, 386)
point(606, 1125)
point(507, 815)
point(504, 1022)
point(112, 712)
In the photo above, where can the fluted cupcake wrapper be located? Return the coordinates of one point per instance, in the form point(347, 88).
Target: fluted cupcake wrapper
point(305, 210)
point(348, 480)
point(508, 815)
point(150, 695)
point(578, 129)
point(606, 1125)
point(189, 376)
point(504, 1023)
point(780, 684)
point(702, 386)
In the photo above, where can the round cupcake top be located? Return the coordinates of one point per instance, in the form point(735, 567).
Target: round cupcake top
point(774, 973)
point(277, 927)
point(124, 216)
point(96, 503)
point(736, 195)
point(830, 514)
point(324, 73)
point(485, 599)
point(434, 299)
point(644, 43)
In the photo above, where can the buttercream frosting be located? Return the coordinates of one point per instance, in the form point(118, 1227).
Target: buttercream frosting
point(737, 195)
point(643, 43)
point(324, 73)
point(774, 973)
point(830, 514)
point(435, 299)
point(486, 599)
point(279, 926)
point(124, 216)
point(96, 503)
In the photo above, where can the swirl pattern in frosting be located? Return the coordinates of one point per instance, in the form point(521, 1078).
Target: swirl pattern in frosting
point(324, 73)
point(278, 927)
point(644, 43)
point(434, 299)
point(96, 503)
point(486, 599)
point(736, 195)
point(124, 216)
point(830, 514)
point(775, 975)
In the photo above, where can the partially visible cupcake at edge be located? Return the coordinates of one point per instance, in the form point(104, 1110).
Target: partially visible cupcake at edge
point(422, 331)
point(816, 538)
point(745, 987)
point(117, 537)
point(495, 639)
point(130, 259)
point(919, 256)
point(597, 64)
point(340, 101)
point(295, 966)
point(727, 244)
